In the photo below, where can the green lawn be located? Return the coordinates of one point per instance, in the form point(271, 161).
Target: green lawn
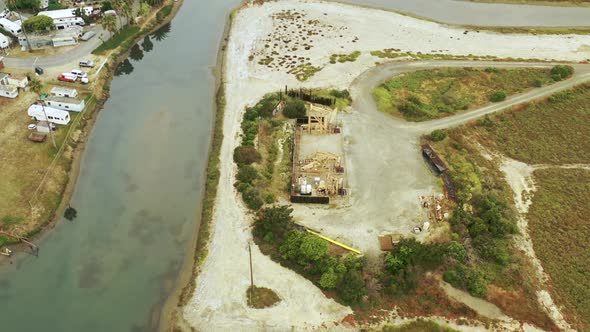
point(430, 94)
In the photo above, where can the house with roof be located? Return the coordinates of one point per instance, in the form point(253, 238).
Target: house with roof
point(6, 89)
point(60, 91)
point(65, 103)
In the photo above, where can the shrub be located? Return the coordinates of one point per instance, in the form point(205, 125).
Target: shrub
point(246, 155)
point(561, 72)
point(252, 198)
point(455, 276)
point(537, 83)
point(340, 94)
point(476, 283)
point(352, 287)
point(247, 174)
point(294, 109)
point(411, 110)
point(456, 251)
point(438, 135)
point(491, 70)
point(276, 220)
point(329, 279)
point(498, 96)
point(38, 23)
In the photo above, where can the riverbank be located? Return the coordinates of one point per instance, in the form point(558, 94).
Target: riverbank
point(174, 320)
point(75, 142)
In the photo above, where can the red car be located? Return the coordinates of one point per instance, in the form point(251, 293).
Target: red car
point(67, 78)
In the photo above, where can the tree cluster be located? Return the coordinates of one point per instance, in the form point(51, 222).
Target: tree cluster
point(38, 23)
point(308, 254)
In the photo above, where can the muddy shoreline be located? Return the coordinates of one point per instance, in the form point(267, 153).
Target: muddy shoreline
point(173, 317)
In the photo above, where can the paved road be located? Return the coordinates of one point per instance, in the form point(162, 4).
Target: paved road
point(81, 51)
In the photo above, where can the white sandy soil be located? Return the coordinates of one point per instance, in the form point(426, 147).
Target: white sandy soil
point(219, 301)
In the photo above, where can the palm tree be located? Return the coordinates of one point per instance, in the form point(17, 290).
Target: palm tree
point(147, 44)
point(109, 22)
point(153, 2)
point(162, 32)
point(36, 85)
point(136, 53)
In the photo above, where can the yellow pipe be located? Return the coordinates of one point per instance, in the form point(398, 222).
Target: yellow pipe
point(332, 241)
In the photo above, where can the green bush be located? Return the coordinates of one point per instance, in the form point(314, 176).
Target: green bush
point(252, 198)
point(456, 251)
point(294, 109)
point(438, 135)
point(498, 96)
point(247, 174)
point(491, 70)
point(276, 220)
point(38, 23)
point(476, 283)
point(246, 155)
point(561, 72)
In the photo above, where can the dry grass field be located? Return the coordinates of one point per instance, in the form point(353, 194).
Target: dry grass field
point(25, 205)
point(560, 228)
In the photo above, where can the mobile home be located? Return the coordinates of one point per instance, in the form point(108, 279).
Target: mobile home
point(63, 18)
point(18, 80)
point(38, 112)
point(10, 26)
point(59, 91)
point(8, 91)
point(4, 41)
point(66, 104)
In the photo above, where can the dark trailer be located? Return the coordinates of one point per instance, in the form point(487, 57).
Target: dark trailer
point(433, 159)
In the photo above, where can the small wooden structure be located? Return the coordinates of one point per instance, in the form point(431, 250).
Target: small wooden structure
point(388, 242)
point(38, 137)
point(319, 119)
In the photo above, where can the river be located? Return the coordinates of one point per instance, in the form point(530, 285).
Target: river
point(138, 192)
point(137, 195)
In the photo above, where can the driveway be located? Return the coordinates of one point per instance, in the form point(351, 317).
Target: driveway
point(386, 172)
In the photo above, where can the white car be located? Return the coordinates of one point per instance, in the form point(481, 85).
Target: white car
point(86, 63)
point(79, 73)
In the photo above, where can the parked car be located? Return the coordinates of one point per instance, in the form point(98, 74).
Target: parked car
point(79, 73)
point(67, 77)
point(87, 63)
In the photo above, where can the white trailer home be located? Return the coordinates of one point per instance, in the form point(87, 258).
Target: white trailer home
point(18, 80)
point(63, 18)
point(59, 91)
point(66, 104)
point(8, 91)
point(4, 41)
point(13, 27)
point(38, 112)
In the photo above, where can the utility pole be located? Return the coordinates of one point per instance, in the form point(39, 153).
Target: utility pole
point(251, 275)
point(48, 122)
point(23, 28)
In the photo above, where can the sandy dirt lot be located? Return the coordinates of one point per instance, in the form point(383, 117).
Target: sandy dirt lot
point(384, 198)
